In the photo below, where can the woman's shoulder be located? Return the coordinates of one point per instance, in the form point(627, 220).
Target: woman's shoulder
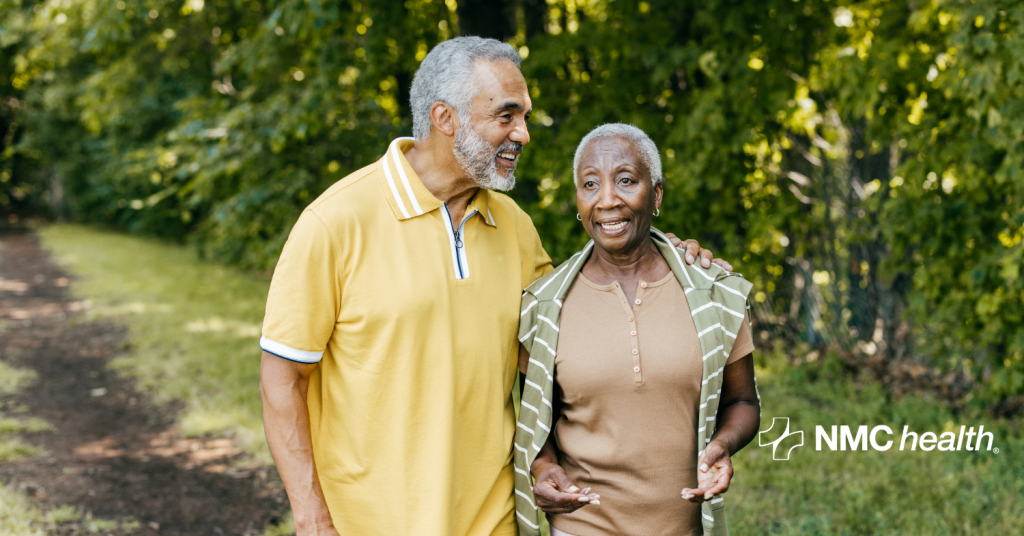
point(553, 285)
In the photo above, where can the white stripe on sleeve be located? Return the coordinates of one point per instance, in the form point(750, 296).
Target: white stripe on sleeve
point(528, 333)
point(287, 352)
point(528, 307)
point(736, 292)
point(548, 320)
point(527, 521)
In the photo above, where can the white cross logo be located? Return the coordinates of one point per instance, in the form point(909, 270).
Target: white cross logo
point(775, 444)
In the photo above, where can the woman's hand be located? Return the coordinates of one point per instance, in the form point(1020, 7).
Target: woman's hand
point(713, 474)
point(555, 493)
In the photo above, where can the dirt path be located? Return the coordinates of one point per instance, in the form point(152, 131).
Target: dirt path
point(112, 451)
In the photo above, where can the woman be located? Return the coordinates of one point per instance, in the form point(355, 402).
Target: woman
point(639, 378)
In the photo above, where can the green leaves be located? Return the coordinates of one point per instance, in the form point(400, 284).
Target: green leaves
point(859, 162)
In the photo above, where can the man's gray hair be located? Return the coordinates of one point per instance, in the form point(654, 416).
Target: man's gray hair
point(643, 143)
point(447, 75)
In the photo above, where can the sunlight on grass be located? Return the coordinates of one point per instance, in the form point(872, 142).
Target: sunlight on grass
point(21, 517)
point(13, 379)
point(18, 516)
point(12, 447)
point(194, 327)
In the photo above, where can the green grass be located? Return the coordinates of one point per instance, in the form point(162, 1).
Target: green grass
point(194, 327)
point(21, 517)
point(12, 419)
point(193, 337)
point(890, 492)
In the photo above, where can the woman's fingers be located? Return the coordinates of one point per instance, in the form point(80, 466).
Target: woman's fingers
point(554, 501)
point(556, 494)
point(721, 485)
point(563, 481)
point(581, 496)
point(713, 475)
point(692, 495)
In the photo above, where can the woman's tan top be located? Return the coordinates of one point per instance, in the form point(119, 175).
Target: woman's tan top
point(630, 379)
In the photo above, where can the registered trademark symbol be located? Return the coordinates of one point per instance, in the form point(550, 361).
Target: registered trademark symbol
point(995, 450)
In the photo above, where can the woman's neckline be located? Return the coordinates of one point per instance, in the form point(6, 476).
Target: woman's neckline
point(611, 286)
point(648, 268)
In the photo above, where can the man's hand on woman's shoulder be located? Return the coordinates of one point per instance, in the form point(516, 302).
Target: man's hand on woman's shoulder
point(693, 250)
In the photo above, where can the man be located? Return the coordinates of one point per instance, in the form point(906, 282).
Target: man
point(389, 340)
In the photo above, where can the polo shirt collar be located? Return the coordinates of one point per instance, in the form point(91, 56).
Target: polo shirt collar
point(406, 193)
point(481, 203)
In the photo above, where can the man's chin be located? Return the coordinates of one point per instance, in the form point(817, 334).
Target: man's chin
point(496, 181)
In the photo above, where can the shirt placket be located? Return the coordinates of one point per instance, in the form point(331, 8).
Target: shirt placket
point(634, 338)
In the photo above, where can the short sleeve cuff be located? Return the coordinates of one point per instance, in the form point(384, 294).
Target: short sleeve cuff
point(739, 352)
point(289, 353)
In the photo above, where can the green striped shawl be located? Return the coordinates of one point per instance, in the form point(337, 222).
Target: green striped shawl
point(717, 302)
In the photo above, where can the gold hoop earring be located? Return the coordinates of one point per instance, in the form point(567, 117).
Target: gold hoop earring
point(578, 216)
point(656, 212)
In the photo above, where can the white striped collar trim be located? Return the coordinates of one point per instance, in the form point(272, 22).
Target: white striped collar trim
point(409, 197)
point(406, 193)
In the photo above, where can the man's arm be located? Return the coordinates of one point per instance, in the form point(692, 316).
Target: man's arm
point(283, 387)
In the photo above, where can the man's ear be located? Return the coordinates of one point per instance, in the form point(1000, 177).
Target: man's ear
point(659, 192)
point(444, 118)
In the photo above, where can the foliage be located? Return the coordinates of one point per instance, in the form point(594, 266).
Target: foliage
point(858, 160)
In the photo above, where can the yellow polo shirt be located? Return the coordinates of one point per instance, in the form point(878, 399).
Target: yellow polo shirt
point(412, 322)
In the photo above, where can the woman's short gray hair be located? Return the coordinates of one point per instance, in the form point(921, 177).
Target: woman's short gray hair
point(447, 75)
point(643, 143)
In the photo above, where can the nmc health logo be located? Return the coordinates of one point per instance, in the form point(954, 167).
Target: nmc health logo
point(782, 440)
point(880, 438)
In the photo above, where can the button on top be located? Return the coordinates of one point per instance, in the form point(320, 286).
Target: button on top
point(636, 369)
point(643, 285)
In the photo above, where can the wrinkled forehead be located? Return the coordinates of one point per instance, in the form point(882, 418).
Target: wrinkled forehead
point(606, 153)
point(499, 83)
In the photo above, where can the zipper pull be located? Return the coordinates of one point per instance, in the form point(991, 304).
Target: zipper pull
point(458, 239)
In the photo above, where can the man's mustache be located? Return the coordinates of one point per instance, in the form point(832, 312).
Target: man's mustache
point(510, 146)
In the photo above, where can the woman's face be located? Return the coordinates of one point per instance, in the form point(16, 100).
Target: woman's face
point(615, 196)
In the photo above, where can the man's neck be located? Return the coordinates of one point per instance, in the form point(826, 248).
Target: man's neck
point(439, 171)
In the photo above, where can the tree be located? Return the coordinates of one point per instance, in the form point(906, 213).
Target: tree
point(859, 160)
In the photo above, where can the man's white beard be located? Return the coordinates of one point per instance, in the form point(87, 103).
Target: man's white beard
point(479, 160)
